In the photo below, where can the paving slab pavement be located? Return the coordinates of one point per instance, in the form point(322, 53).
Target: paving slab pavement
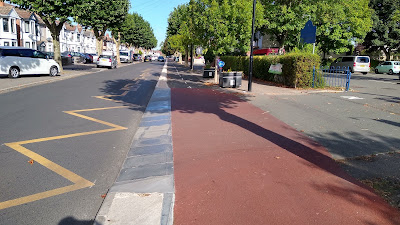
point(143, 193)
point(237, 164)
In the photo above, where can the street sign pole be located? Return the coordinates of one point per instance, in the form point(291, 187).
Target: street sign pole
point(251, 46)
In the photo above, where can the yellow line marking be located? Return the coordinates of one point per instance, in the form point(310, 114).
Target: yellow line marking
point(78, 181)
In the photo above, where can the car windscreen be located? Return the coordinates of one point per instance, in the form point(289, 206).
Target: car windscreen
point(105, 56)
point(123, 53)
point(362, 59)
point(348, 59)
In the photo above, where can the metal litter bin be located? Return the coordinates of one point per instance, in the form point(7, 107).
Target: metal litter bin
point(230, 79)
point(209, 73)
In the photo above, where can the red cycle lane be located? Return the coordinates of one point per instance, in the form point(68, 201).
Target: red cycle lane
point(236, 164)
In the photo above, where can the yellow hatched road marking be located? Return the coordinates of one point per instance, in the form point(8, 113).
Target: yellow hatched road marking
point(78, 181)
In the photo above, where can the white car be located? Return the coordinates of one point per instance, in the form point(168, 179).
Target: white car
point(109, 61)
point(154, 58)
point(17, 61)
point(354, 63)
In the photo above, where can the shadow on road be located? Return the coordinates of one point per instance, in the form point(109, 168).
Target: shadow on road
point(72, 221)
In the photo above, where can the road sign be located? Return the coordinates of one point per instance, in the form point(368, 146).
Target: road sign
point(221, 64)
point(308, 33)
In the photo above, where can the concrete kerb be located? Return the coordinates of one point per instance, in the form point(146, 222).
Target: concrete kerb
point(144, 191)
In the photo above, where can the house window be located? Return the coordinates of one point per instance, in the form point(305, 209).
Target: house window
point(79, 49)
point(5, 25)
point(27, 44)
point(37, 29)
point(13, 25)
point(78, 37)
point(26, 27)
point(33, 27)
point(6, 43)
point(14, 43)
point(33, 45)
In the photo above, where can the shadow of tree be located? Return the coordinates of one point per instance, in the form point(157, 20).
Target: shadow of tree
point(72, 221)
point(219, 104)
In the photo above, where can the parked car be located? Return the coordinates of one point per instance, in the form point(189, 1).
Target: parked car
point(126, 56)
point(137, 57)
point(16, 61)
point(147, 58)
point(88, 58)
point(154, 58)
point(77, 57)
point(94, 56)
point(354, 63)
point(389, 67)
point(161, 58)
point(107, 61)
point(66, 59)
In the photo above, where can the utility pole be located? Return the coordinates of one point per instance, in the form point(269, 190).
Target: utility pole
point(251, 46)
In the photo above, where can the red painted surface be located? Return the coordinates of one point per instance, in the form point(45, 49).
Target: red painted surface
point(236, 164)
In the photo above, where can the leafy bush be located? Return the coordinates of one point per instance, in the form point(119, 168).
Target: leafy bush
point(298, 67)
point(296, 70)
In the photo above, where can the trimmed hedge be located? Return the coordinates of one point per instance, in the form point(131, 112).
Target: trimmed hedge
point(296, 70)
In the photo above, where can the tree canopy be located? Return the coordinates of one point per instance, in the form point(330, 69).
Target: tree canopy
point(53, 13)
point(137, 32)
point(101, 15)
point(385, 33)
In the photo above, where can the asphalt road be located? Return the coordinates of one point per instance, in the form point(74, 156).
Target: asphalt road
point(63, 143)
point(361, 122)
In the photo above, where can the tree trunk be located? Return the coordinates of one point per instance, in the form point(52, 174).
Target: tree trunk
point(387, 54)
point(57, 52)
point(216, 70)
point(191, 57)
point(118, 44)
point(99, 45)
point(186, 56)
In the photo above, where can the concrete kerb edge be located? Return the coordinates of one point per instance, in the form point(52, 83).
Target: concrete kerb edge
point(166, 215)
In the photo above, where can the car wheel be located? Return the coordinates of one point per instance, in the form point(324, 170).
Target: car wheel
point(14, 72)
point(98, 66)
point(376, 71)
point(53, 71)
point(390, 72)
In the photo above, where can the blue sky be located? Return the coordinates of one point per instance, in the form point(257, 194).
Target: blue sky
point(156, 12)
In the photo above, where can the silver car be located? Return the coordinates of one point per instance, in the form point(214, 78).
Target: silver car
point(107, 61)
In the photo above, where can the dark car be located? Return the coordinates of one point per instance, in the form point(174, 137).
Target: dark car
point(77, 57)
point(66, 58)
point(147, 58)
point(137, 57)
point(161, 58)
point(88, 58)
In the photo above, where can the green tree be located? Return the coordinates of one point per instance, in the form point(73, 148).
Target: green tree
point(385, 33)
point(54, 14)
point(138, 32)
point(341, 23)
point(284, 20)
point(225, 25)
point(101, 15)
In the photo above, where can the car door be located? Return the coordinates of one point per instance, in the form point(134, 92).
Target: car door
point(26, 63)
point(44, 64)
point(386, 67)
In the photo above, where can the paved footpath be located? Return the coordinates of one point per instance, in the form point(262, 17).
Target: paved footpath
point(236, 164)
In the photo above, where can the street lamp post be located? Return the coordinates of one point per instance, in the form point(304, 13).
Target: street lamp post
point(251, 46)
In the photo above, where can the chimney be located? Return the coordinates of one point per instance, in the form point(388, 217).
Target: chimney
point(1, 3)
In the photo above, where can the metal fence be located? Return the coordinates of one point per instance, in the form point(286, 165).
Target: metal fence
point(332, 77)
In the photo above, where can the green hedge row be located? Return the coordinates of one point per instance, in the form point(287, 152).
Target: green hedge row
point(296, 70)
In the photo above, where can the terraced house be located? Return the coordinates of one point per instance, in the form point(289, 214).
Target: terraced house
point(26, 29)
